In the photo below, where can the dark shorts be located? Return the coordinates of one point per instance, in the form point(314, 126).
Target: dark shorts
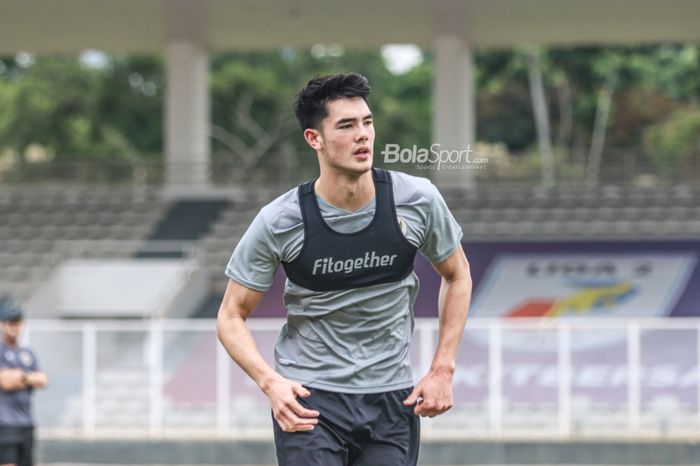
point(353, 430)
point(17, 445)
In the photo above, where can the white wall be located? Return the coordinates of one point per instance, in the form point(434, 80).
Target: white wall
point(120, 288)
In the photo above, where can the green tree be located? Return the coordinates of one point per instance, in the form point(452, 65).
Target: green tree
point(607, 98)
point(674, 145)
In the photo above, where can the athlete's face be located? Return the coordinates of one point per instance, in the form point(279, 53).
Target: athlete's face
point(345, 140)
point(11, 330)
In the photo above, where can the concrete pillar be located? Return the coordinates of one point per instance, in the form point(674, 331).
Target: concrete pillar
point(187, 100)
point(454, 118)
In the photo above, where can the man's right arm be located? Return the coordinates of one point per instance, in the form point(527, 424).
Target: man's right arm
point(238, 303)
point(12, 379)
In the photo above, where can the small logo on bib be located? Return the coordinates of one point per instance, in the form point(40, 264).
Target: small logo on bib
point(402, 225)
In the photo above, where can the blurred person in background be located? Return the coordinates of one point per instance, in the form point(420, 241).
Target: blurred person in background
point(342, 391)
point(19, 376)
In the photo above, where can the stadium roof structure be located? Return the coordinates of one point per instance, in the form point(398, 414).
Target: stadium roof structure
point(40, 26)
point(187, 31)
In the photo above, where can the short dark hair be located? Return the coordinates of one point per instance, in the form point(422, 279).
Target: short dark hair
point(310, 102)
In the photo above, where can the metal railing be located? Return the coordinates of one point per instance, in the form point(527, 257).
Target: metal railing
point(552, 379)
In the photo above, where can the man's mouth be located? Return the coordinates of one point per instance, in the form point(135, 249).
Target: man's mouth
point(362, 151)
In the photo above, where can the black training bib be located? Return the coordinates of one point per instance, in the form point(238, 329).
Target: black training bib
point(329, 260)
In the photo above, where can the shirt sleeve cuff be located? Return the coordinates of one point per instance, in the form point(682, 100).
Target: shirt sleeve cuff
point(247, 283)
point(448, 253)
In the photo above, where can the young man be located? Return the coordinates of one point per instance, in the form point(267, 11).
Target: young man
point(19, 376)
point(341, 391)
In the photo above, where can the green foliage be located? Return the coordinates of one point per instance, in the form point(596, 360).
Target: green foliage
point(674, 144)
point(75, 111)
point(128, 112)
point(114, 113)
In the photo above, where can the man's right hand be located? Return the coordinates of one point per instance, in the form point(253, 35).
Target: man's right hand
point(12, 379)
point(289, 414)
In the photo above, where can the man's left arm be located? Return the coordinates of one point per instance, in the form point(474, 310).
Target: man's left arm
point(36, 379)
point(433, 394)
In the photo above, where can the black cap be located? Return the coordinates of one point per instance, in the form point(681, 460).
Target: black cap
point(10, 310)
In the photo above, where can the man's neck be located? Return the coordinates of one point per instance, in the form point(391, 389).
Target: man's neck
point(345, 191)
point(12, 343)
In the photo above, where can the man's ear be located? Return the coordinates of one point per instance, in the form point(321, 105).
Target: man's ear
point(313, 138)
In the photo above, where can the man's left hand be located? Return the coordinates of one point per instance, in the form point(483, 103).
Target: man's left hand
point(432, 395)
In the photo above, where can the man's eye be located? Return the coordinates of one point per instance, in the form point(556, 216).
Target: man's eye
point(344, 126)
point(368, 122)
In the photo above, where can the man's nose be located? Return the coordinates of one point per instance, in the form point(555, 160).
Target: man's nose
point(362, 133)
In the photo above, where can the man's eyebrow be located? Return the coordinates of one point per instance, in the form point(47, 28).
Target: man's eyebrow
point(350, 120)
